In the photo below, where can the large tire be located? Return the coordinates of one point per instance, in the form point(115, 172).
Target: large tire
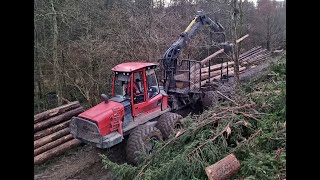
point(210, 99)
point(168, 123)
point(140, 143)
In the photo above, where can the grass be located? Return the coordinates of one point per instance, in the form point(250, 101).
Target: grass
point(257, 136)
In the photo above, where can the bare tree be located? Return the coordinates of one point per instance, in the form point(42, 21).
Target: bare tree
point(78, 42)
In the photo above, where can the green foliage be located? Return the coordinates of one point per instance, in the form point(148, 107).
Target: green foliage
point(125, 171)
point(263, 157)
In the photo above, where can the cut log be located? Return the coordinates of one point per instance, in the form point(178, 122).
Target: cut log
point(51, 137)
point(250, 51)
point(250, 61)
point(50, 130)
point(231, 73)
point(205, 60)
point(56, 151)
point(57, 119)
point(52, 144)
point(217, 67)
point(194, 68)
point(256, 60)
point(250, 54)
point(56, 111)
point(215, 73)
point(223, 169)
point(242, 38)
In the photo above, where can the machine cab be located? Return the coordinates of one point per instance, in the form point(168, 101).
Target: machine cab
point(138, 83)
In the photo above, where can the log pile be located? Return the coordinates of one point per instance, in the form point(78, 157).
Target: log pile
point(254, 56)
point(248, 59)
point(51, 132)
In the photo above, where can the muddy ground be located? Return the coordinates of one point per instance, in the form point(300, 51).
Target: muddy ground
point(84, 161)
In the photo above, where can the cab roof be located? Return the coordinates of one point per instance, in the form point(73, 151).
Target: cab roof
point(132, 66)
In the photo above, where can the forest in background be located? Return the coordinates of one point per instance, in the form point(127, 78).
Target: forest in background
point(77, 42)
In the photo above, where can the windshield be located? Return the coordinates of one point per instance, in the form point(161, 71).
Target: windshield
point(120, 83)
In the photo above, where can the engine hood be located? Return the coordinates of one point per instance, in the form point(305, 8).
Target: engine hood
point(101, 114)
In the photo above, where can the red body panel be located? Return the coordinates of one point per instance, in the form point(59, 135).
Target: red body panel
point(101, 114)
point(154, 102)
point(131, 66)
point(164, 103)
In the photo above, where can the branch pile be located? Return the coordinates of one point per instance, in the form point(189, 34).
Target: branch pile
point(51, 132)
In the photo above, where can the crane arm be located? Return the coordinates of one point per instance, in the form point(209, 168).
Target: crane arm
point(173, 52)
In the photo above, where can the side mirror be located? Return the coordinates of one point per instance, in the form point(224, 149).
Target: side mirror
point(104, 98)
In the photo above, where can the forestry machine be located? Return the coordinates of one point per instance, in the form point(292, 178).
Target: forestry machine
point(139, 106)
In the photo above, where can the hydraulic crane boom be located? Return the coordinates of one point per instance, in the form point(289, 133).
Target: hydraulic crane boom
point(173, 52)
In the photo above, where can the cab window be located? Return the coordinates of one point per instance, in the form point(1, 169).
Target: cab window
point(138, 88)
point(152, 83)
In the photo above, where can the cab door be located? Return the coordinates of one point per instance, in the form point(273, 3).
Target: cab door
point(154, 97)
point(139, 100)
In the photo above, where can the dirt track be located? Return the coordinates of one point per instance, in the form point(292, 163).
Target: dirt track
point(83, 162)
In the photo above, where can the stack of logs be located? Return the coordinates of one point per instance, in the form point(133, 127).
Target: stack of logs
point(51, 132)
point(254, 56)
point(248, 59)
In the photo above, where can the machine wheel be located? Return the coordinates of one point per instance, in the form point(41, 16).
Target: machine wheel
point(141, 142)
point(210, 98)
point(168, 123)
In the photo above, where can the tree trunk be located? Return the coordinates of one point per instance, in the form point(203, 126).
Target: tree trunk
point(239, 29)
point(223, 169)
point(52, 144)
point(41, 158)
point(50, 138)
point(55, 59)
point(51, 130)
point(57, 119)
point(56, 111)
point(235, 51)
